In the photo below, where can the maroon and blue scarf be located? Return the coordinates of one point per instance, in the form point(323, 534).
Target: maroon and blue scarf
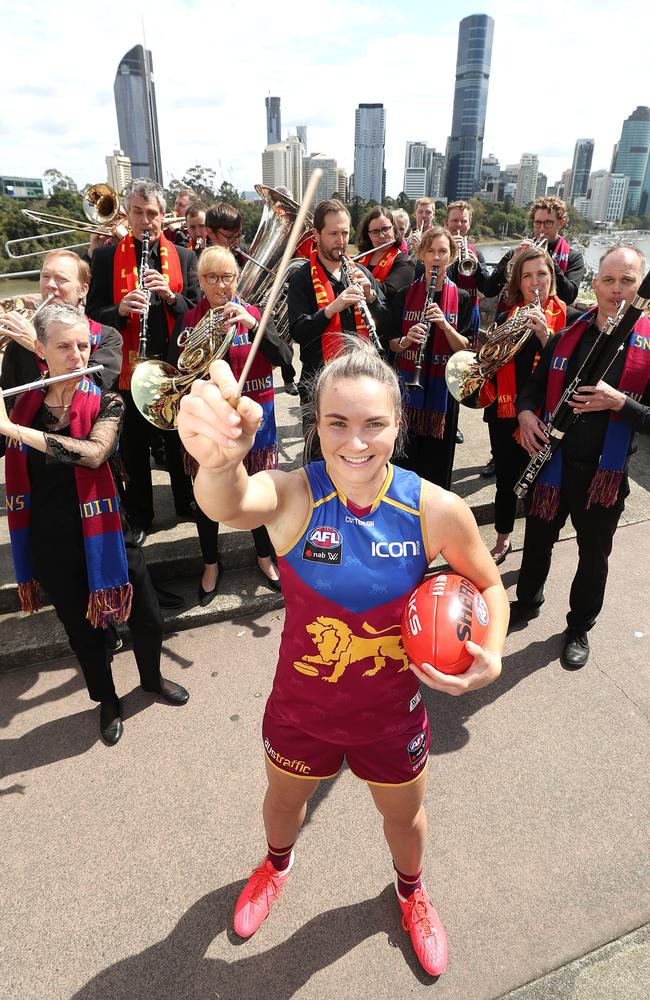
point(425, 408)
point(258, 386)
point(110, 592)
point(468, 282)
point(607, 479)
point(561, 253)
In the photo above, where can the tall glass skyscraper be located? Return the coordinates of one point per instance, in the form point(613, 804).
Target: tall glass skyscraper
point(581, 168)
point(369, 142)
point(465, 144)
point(633, 160)
point(273, 123)
point(137, 118)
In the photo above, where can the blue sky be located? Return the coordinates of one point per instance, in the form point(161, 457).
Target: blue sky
point(552, 80)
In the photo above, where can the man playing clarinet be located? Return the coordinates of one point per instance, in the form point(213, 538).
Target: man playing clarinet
point(586, 478)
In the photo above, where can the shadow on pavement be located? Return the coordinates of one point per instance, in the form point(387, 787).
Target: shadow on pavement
point(20, 681)
point(448, 715)
point(177, 966)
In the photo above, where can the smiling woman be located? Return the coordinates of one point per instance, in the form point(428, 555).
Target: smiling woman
point(354, 535)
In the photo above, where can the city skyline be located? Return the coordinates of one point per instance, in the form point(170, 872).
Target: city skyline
point(204, 121)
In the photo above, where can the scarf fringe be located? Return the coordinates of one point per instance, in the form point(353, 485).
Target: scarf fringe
point(263, 458)
point(190, 464)
point(426, 423)
point(604, 487)
point(110, 605)
point(546, 501)
point(29, 596)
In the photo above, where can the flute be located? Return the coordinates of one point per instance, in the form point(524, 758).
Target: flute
point(346, 271)
point(40, 382)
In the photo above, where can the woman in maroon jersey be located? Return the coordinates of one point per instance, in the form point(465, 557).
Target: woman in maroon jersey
point(342, 687)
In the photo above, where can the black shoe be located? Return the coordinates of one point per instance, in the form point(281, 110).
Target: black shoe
point(207, 596)
point(138, 537)
point(114, 639)
point(291, 388)
point(521, 614)
point(460, 439)
point(110, 722)
point(273, 584)
point(576, 649)
point(489, 470)
point(170, 692)
point(168, 600)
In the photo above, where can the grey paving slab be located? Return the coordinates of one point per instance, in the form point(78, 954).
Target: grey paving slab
point(121, 865)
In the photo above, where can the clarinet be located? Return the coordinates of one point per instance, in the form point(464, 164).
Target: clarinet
point(348, 281)
point(144, 315)
point(431, 294)
point(609, 342)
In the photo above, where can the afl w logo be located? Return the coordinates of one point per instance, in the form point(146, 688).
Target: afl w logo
point(323, 544)
point(398, 550)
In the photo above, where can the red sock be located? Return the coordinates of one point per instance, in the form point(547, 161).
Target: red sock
point(280, 857)
point(407, 884)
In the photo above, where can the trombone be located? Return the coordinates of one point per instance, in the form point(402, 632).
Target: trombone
point(102, 208)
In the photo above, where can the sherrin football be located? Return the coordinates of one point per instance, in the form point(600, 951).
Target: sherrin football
point(439, 617)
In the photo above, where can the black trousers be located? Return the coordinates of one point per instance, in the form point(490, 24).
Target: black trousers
point(595, 527)
point(209, 538)
point(510, 460)
point(135, 444)
point(433, 458)
point(67, 587)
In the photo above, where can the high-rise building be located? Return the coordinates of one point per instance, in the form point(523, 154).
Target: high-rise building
point(526, 180)
point(301, 131)
point(632, 159)
point(582, 156)
point(465, 144)
point(369, 141)
point(137, 118)
point(342, 186)
point(606, 197)
point(118, 170)
point(329, 182)
point(565, 184)
point(282, 165)
point(540, 188)
point(424, 171)
point(273, 123)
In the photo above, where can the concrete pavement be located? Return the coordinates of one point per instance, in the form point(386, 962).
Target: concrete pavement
point(122, 864)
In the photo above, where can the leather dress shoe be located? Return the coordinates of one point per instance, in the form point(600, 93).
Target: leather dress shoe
point(291, 388)
point(110, 722)
point(139, 536)
point(489, 470)
point(114, 639)
point(460, 437)
point(168, 600)
point(171, 692)
point(576, 649)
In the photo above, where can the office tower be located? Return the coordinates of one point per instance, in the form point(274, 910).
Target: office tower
point(606, 197)
point(632, 159)
point(437, 170)
point(540, 187)
point(565, 184)
point(328, 183)
point(424, 171)
point(342, 186)
point(465, 144)
point(301, 131)
point(118, 170)
point(273, 124)
point(582, 156)
point(369, 140)
point(282, 165)
point(526, 180)
point(137, 118)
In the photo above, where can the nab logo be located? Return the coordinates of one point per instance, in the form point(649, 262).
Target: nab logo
point(398, 550)
point(324, 545)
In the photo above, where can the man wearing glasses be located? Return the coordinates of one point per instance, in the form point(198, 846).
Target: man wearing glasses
point(548, 217)
point(224, 226)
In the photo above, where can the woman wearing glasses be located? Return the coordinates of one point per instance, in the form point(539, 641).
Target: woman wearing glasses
point(218, 274)
point(391, 268)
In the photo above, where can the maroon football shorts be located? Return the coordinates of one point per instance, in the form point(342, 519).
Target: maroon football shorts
point(390, 760)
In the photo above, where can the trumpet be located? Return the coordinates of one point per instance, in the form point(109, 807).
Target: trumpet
point(158, 387)
point(431, 294)
point(467, 263)
point(467, 372)
point(410, 239)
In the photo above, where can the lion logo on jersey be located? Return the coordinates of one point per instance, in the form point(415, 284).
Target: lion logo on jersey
point(338, 648)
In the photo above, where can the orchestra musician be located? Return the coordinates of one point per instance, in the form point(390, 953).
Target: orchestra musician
point(431, 412)
point(176, 232)
point(195, 224)
point(115, 298)
point(531, 285)
point(321, 306)
point(390, 268)
point(225, 226)
point(587, 476)
point(459, 220)
point(425, 217)
point(401, 223)
point(218, 273)
point(548, 216)
point(64, 517)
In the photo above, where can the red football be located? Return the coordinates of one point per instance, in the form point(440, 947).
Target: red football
point(439, 617)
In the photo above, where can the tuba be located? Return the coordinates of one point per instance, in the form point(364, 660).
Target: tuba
point(467, 373)
point(265, 253)
point(158, 387)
